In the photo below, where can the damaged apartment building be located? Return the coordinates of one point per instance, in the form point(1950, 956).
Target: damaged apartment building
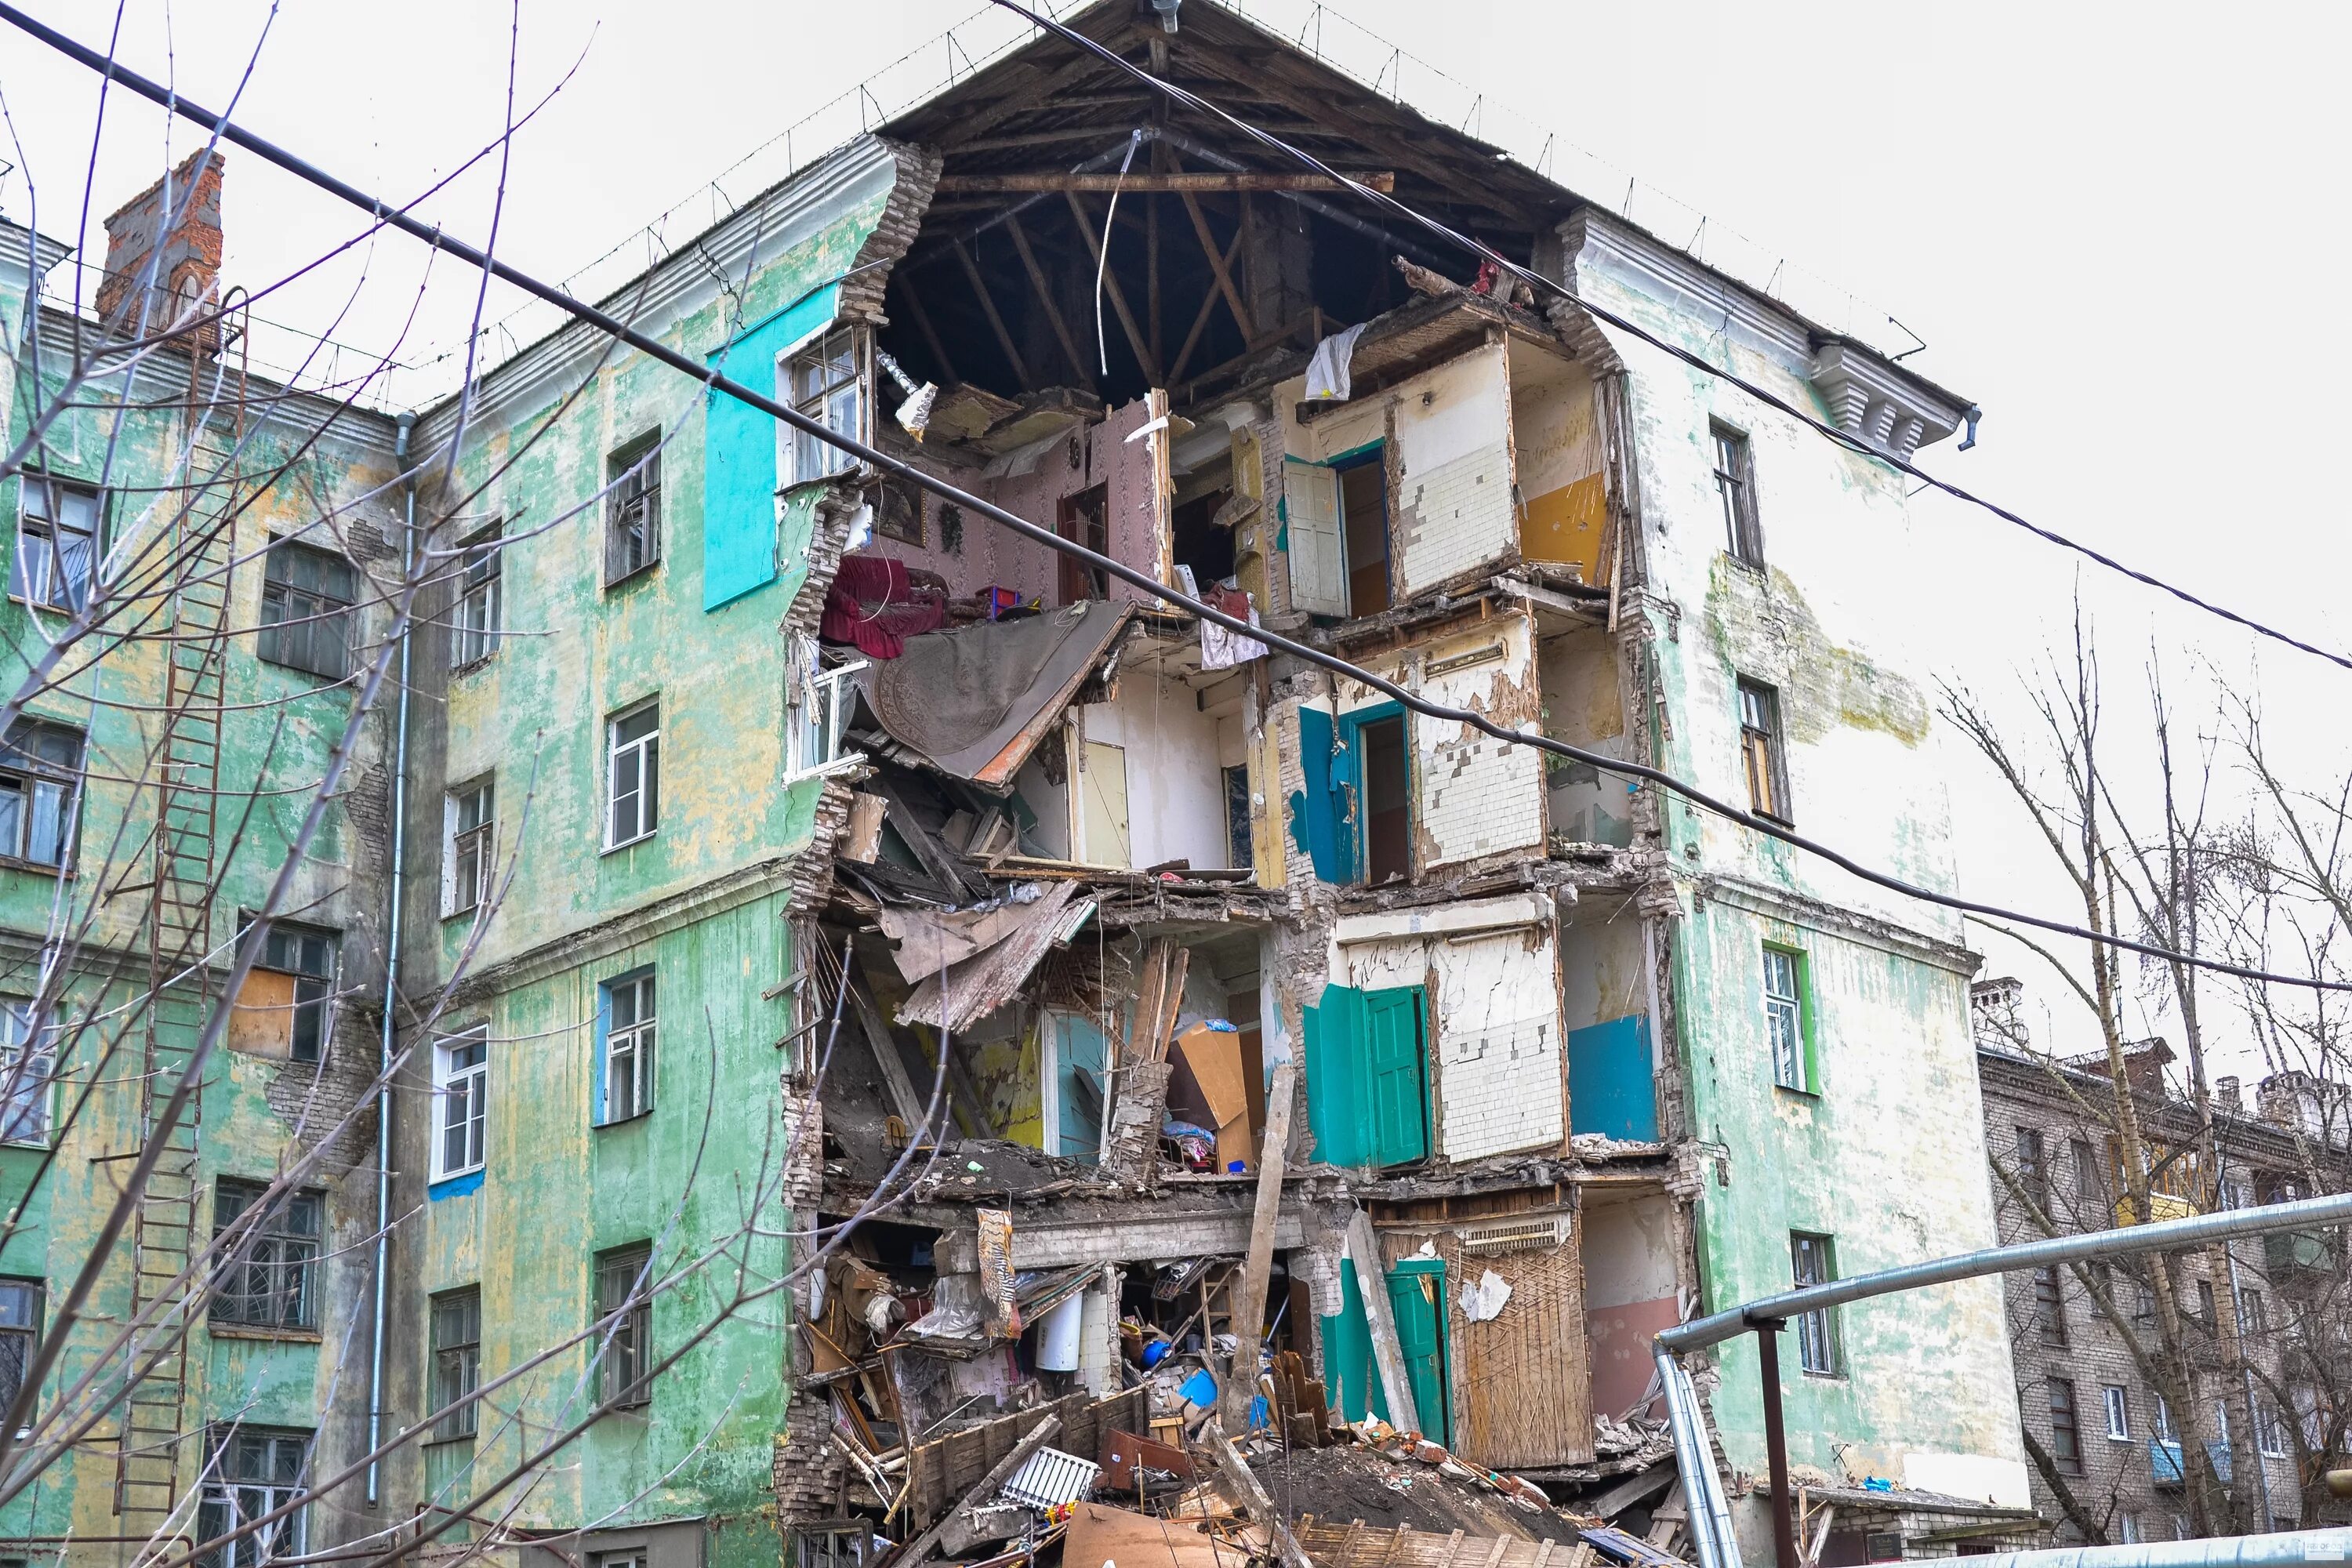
point(1267, 1019)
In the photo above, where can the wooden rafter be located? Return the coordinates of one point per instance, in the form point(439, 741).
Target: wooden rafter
point(995, 321)
point(1135, 338)
point(930, 334)
point(1034, 94)
point(1208, 307)
point(1217, 266)
point(1045, 298)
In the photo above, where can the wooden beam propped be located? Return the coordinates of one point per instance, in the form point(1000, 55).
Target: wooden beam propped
point(1208, 308)
point(1202, 182)
point(1045, 298)
point(1135, 338)
point(1003, 338)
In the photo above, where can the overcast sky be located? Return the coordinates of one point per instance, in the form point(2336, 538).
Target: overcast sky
point(2112, 227)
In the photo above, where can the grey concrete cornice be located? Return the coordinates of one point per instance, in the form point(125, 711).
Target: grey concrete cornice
point(1871, 931)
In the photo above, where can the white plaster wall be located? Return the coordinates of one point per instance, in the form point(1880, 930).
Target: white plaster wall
point(1602, 975)
point(1628, 1251)
point(1175, 797)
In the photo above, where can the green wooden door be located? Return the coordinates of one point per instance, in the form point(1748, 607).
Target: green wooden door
point(1417, 1299)
point(1394, 1072)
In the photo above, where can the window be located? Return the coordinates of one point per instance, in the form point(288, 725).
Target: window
point(633, 746)
point(1784, 1018)
point(309, 955)
point(634, 1558)
point(2143, 1301)
point(632, 508)
point(265, 1280)
point(2165, 1430)
point(20, 1335)
point(40, 786)
point(1364, 522)
point(305, 610)
point(2066, 1434)
point(2050, 1306)
point(2205, 1310)
point(2180, 1527)
point(474, 621)
point(628, 1048)
point(1239, 851)
point(28, 1063)
point(1387, 783)
point(628, 1352)
point(2118, 1401)
point(1735, 485)
point(456, 1360)
point(2253, 1314)
point(822, 382)
point(461, 1086)
point(254, 1471)
point(2270, 1431)
point(1812, 1262)
point(820, 712)
point(57, 541)
point(2221, 1422)
point(1760, 751)
point(2030, 1166)
point(2128, 1530)
point(472, 815)
point(2090, 1177)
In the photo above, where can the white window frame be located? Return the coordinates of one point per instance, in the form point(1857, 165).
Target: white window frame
point(2167, 1429)
point(478, 617)
point(458, 840)
point(461, 1095)
point(48, 794)
point(818, 716)
point(629, 1051)
point(2130, 1525)
point(838, 405)
point(645, 819)
point(228, 1501)
point(1784, 1022)
point(29, 1070)
point(44, 557)
point(2269, 1429)
point(2117, 1399)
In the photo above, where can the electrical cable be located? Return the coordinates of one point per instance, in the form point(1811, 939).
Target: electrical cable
point(884, 462)
point(1536, 279)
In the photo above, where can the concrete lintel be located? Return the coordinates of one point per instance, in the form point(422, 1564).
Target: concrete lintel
point(1156, 1238)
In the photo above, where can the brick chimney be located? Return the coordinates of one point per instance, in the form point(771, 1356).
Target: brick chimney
point(185, 255)
point(2227, 1092)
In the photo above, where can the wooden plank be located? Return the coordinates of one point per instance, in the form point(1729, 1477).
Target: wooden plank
point(1045, 298)
point(1257, 1265)
point(919, 1551)
point(1527, 1387)
point(1110, 286)
point(1217, 266)
point(995, 321)
point(1208, 308)
point(1250, 1495)
point(1388, 1355)
point(910, 293)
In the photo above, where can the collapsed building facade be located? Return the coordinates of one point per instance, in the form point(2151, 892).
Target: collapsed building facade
point(954, 876)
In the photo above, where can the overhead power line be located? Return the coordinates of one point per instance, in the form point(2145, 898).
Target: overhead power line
point(708, 376)
point(1274, 143)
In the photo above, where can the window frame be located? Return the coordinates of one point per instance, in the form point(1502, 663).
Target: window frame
point(2050, 1305)
point(647, 816)
point(318, 1008)
point(478, 614)
point(818, 700)
point(27, 1037)
point(622, 1352)
point(46, 525)
point(1762, 735)
point(2030, 1163)
point(1820, 1347)
point(22, 1342)
point(330, 621)
point(2066, 1425)
point(633, 486)
point(281, 1256)
point(225, 1500)
point(447, 1072)
point(28, 774)
point(2269, 1430)
point(462, 894)
point(1240, 831)
point(1734, 457)
point(455, 1365)
point(637, 1039)
point(2116, 1400)
point(1801, 1015)
point(824, 403)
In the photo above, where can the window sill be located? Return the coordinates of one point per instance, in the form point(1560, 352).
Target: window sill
point(468, 913)
point(472, 665)
point(325, 682)
point(36, 868)
point(624, 1122)
point(220, 1330)
point(456, 1183)
point(855, 759)
point(465, 1438)
point(1811, 1094)
point(627, 843)
point(46, 609)
point(639, 576)
point(1755, 568)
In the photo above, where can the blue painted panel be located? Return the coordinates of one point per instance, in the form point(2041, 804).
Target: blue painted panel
point(455, 1186)
point(1319, 819)
point(1609, 1087)
point(1354, 1383)
point(1081, 1052)
point(1337, 1093)
point(739, 467)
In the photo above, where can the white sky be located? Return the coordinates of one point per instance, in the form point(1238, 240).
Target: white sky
point(2112, 228)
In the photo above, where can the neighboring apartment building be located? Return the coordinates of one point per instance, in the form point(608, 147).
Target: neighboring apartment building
point(2105, 1444)
point(706, 706)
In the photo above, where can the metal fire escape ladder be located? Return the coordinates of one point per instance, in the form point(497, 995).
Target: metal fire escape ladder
point(150, 1467)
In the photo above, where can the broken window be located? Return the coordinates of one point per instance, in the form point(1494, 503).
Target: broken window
point(2165, 1430)
point(307, 954)
point(1735, 485)
point(627, 1068)
point(471, 814)
point(824, 383)
point(1784, 1018)
point(266, 1281)
point(626, 1340)
point(2030, 1166)
point(456, 1360)
point(2270, 1431)
point(2252, 1316)
point(27, 1065)
point(1239, 851)
point(305, 610)
point(1384, 775)
point(633, 538)
point(2090, 1177)
point(1813, 1261)
point(20, 1335)
point(1084, 519)
point(1762, 751)
point(57, 541)
point(40, 775)
point(1364, 518)
point(253, 1472)
point(2119, 1401)
point(474, 620)
point(819, 716)
point(2065, 1429)
point(2050, 1306)
point(633, 774)
point(461, 1085)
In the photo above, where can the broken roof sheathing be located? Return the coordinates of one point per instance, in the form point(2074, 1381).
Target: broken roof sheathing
point(974, 701)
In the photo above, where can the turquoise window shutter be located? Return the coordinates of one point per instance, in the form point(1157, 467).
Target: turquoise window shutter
point(1335, 1079)
point(1393, 1070)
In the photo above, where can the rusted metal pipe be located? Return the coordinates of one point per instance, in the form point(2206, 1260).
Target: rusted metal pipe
point(1776, 1445)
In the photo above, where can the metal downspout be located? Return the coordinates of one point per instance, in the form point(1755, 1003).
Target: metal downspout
point(391, 994)
point(1710, 1514)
